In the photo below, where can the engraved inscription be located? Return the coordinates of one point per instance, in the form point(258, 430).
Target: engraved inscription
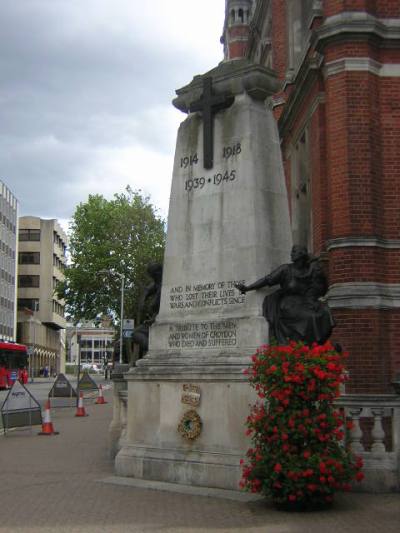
point(217, 179)
point(203, 295)
point(232, 150)
point(189, 160)
point(211, 335)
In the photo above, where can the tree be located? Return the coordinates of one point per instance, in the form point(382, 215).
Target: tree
point(107, 238)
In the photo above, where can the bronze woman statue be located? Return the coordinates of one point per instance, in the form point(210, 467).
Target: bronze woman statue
point(295, 311)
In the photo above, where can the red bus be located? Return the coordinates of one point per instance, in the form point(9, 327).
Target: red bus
point(13, 359)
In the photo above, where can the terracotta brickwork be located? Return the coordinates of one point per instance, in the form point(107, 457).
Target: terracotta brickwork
point(371, 338)
point(343, 90)
point(379, 8)
point(279, 39)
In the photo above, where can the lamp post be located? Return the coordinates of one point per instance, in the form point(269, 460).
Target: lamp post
point(31, 359)
point(78, 377)
point(122, 278)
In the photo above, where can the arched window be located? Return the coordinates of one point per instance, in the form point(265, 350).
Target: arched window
point(233, 17)
point(241, 15)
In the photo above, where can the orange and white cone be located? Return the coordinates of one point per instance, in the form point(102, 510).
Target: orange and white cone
point(80, 411)
point(47, 424)
point(100, 399)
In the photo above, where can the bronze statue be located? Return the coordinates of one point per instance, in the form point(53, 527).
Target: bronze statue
point(149, 306)
point(295, 311)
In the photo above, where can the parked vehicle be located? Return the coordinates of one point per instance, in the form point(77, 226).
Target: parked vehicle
point(91, 367)
point(13, 358)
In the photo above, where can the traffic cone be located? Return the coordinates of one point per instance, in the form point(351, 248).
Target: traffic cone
point(47, 424)
point(100, 399)
point(80, 411)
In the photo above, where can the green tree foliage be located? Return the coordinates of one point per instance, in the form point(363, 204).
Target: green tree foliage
point(119, 236)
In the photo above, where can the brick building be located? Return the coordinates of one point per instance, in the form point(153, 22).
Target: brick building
point(338, 114)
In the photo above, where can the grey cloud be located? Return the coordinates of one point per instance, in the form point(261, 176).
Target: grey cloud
point(69, 87)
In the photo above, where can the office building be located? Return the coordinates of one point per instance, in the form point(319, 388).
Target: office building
point(8, 266)
point(41, 263)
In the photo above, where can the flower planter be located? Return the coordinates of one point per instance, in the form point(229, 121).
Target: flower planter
point(297, 457)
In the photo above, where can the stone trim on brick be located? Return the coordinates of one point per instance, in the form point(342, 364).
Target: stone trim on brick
point(361, 64)
point(364, 295)
point(359, 22)
point(347, 242)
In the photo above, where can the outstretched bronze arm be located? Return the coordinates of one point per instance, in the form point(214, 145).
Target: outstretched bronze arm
point(263, 282)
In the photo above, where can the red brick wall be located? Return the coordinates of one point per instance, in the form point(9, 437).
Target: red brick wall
point(364, 264)
point(354, 138)
point(389, 126)
point(279, 49)
point(238, 40)
point(379, 8)
point(369, 335)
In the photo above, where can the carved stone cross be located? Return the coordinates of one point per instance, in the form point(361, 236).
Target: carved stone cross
point(209, 104)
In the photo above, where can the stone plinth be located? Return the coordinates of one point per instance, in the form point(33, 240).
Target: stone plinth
point(226, 224)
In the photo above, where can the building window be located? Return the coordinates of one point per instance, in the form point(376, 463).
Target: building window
point(299, 14)
point(28, 303)
point(301, 184)
point(28, 281)
point(57, 263)
point(29, 258)
point(29, 234)
point(58, 308)
point(86, 343)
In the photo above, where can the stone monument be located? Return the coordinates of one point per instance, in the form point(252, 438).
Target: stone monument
point(228, 222)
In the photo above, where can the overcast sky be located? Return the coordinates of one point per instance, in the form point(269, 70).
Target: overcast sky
point(85, 95)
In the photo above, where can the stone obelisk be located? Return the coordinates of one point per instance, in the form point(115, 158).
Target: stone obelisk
point(228, 222)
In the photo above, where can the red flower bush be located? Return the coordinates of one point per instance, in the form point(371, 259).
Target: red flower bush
point(298, 455)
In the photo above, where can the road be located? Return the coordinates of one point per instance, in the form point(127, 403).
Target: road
point(41, 387)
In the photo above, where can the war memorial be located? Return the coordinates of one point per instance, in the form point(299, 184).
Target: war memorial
point(235, 214)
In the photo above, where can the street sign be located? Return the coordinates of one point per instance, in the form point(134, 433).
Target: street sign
point(128, 324)
point(87, 383)
point(62, 388)
point(20, 408)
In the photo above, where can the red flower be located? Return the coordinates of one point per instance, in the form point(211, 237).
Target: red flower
point(359, 462)
point(308, 462)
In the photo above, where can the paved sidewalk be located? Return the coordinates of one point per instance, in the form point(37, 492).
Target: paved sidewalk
point(56, 484)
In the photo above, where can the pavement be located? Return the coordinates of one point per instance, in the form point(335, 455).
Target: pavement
point(65, 483)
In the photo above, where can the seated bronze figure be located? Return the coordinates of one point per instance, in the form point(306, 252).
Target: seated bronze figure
point(295, 311)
